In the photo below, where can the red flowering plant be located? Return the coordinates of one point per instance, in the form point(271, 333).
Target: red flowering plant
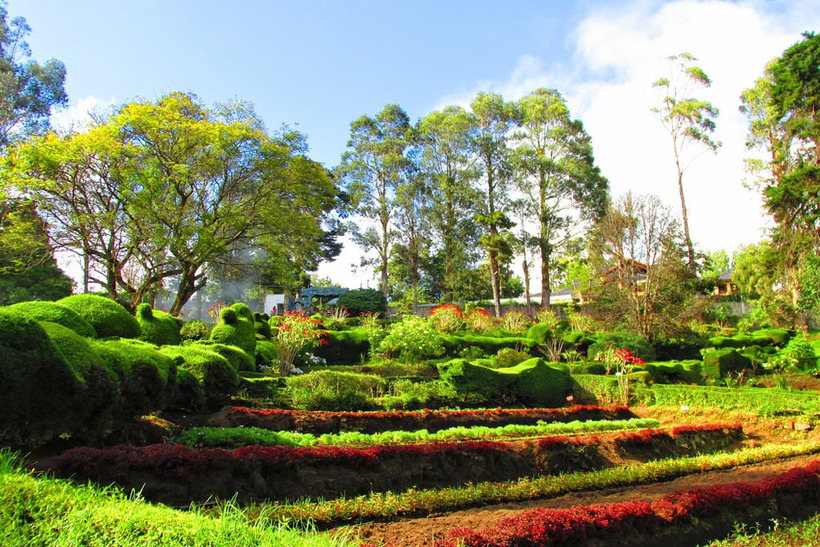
point(624, 362)
point(447, 318)
point(479, 320)
point(297, 332)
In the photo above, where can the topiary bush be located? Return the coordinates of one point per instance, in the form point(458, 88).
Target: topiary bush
point(238, 359)
point(334, 390)
point(219, 380)
point(39, 389)
point(189, 396)
point(637, 345)
point(261, 321)
point(344, 347)
point(108, 318)
point(472, 382)
point(359, 301)
point(538, 383)
point(236, 327)
point(539, 333)
point(157, 327)
point(195, 330)
point(455, 345)
point(96, 406)
point(509, 357)
point(265, 353)
point(55, 313)
point(413, 339)
point(720, 362)
point(684, 372)
point(147, 377)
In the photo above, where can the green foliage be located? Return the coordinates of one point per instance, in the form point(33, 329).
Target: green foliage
point(720, 362)
point(265, 353)
point(236, 327)
point(55, 313)
point(219, 380)
point(637, 345)
point(195, 330)
point(540, 333)
point(238, 359)
point(262, 323)
point(94, 410)
point(509, 357)
point(761, 401)
point(406, 394)
point(413, 339)
point(799, 353)
point(147, 377)
point(596, 389)
point(683, 372)
point(533, 382)
point(108, 318)
point(359, 301)
point(258, 386)
point(39, 390)
point(344, 347)
point(157, 327)
point(333, 390)
point(189, 397)
point(456, 345)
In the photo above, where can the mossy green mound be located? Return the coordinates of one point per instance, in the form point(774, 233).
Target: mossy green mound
point(219, 380)
point(55, 313)
point(158, 327)
point(236, 327)
point(108, 318)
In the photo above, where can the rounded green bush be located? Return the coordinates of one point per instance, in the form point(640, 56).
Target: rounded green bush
point(101, 395)
point(39, 389)
point(261, 322)
point(157, 327)
point(539, 332)
point(639, 346)
point(238, 359)
point(236, 327)
point(108, 318)
point(54, 313)
point(147, 377)
point(265, 352)
point(509, 357)
point(359, 301)
point(195, 330)
point(189, 397)
point(219, 380)
point(538, 383)
point(720, 362)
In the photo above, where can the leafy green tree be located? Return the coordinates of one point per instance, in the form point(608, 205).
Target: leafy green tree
point(373, 168)
point(447, 163)
point(28, 90)
point(687, 120)
point(556, 173)
point(494, 120)
point(28, 270)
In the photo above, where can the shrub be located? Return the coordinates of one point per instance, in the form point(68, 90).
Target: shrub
point(296, 333)
point(38, 388)
point(194, 330)
point(333, 390)
point(686, 372)
point(238, 359)
point(720, 362)
point(108, 318)
point(189, 396)
point(236, 328)
point(577, 340)
point(157, 327)
point(515, 322)
point(539, 333)
point(538, 383)
point(406, 394)
point(359, 301)
point(55, 313)
point(637, 345)
point(509, 357)
point(779, 337)
point(100, 396)
point(147, 377)
point(261, 321)
point(447, 318)
point(413, 339)
point(219, 380)
point(265, 353)
point(479, 320)
point(455, 345)
point(344, 347)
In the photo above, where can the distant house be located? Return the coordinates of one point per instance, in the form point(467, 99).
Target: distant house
point(725, 286)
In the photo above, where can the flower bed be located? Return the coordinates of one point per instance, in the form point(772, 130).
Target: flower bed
point(699, 507)
point(431, 420)
point(178, 474)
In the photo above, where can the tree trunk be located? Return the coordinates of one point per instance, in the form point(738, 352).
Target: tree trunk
point(526, 267)
point(690, 250)
point(545, 273)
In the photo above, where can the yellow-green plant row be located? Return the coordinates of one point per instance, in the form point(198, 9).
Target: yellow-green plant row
point(51, 512)
point(243, 436)
point(390, 505)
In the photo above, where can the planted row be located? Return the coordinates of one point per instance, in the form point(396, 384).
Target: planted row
point(178, 474)
point(777, 496)
point(234, 437)
point(431, 420)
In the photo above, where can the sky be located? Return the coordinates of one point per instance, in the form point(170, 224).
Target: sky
point(318, 65)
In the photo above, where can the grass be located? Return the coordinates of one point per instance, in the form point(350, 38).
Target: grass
point(390, 506)
point(235, 437)
point(38, 511)
point(777, 534)
point(761, 401)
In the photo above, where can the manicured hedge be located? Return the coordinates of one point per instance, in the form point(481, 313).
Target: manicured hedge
point(55, 313)
point(346, 347)
point(219, 380)
point(236, 327)
point(157, 327)
point(39, 389)
point(763, 401)
point(108, 318)
point(720, 362)
point(454, 344)
point(639, 346)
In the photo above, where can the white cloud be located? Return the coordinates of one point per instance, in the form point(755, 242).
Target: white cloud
point(78, 115)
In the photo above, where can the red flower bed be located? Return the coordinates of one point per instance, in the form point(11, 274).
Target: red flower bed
point(581, 523)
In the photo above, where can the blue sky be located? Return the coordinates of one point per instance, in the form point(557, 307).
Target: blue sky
point(318, 65)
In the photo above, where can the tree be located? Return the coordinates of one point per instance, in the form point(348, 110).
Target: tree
point(28, 270)
point(373, 168)
point(687, 120)
point(494, 120)
point(646, 287)
point(556, 173)
point(28, 90)
point(168, 189)
point(782, 109)
point(447, 164)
